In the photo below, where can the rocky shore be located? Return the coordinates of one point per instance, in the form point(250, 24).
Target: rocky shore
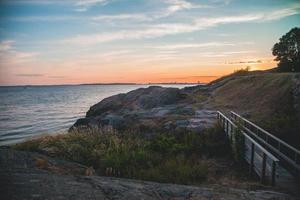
point(268, 99)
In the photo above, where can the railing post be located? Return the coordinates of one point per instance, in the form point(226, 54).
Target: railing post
point(251, 159)
point(273, 173)
point(232, 134)
point(263, 169)
point(227, 126)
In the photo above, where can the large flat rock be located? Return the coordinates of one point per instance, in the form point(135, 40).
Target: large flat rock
point(22, 177)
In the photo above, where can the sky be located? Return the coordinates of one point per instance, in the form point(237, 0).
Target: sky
point(143, 41)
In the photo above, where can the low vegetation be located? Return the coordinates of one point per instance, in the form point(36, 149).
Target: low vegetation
point(238, 144)
point(267, 99)
point(241, 72)
point(181, 157)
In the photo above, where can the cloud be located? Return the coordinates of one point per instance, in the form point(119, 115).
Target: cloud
point(8, 54)
point(225, 2)
point(278, 14)
point(160, 30)
point(90, 2)
point(247, 62)
point(24, 55)
point(252, 61)
point(57, 77)
point(172, 6)
point(45, 2)
point(193, 77)
point(192, 45)
point(30, 75)
point(224, 54)
point(6, 45)
point(138, 17)
point(42, 18)
point(178, 5)
point(84, 5)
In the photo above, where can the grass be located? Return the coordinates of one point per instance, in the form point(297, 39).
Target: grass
point(181, 157)
point(265, 99)
point(198, 97)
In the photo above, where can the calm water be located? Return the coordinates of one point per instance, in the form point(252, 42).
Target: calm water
point(27, 112)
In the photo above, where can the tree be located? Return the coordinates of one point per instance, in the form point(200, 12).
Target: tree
point(287, 51)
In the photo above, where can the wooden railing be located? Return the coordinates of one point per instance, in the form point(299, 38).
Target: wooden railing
point(260, 161)
point(284, 151)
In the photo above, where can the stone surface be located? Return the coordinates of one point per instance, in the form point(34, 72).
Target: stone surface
point(22, 177)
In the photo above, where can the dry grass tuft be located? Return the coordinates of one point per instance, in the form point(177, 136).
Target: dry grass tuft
point(41, 163)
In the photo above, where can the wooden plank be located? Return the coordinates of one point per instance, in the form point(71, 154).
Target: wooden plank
point(252, 158)
point(263, 171)
point(273, 173)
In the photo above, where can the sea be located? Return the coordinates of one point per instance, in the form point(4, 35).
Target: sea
point(31, 111)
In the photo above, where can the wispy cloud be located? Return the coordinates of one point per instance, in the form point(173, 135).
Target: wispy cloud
point(80, 5)
point(8, 54)
point(57, 77)
point(252, 61)
point(30, 75)
point(178, 5)
point(278, 14)
point(246, 62)
point(159, 30)
point(90, 2)
point(171, 7)
point(43, 18)
point(45, 2)
point(6, 45)
point(138, 17)
point(225, 53)
point(84, 5)
point(192, 45)
point(193, 77)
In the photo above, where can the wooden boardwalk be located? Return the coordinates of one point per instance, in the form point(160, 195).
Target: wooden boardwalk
point(272, 160)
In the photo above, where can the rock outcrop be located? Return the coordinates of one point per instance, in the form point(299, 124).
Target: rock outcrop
point(149, 108)
point(270, 100)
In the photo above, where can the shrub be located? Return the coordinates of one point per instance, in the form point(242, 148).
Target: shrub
point(164, 157)
point(242, 72)
point(238, 144)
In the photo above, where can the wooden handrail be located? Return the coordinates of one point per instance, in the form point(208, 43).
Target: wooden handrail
point(261, 148)
point(249, 138)
point(266, 132)
point(293, 162)
point(285, 151)
point(254, 145)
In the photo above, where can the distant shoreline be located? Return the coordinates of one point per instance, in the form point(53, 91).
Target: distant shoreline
point(103, 84)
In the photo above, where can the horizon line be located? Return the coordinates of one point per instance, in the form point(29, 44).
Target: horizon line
point(121, 83)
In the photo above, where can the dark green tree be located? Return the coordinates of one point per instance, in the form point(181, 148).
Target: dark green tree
point(287, 51)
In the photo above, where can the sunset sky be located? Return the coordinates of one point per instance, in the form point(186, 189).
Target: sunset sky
point(88, 41)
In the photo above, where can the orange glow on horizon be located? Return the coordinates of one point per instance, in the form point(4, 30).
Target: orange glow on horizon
point(139, 77)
